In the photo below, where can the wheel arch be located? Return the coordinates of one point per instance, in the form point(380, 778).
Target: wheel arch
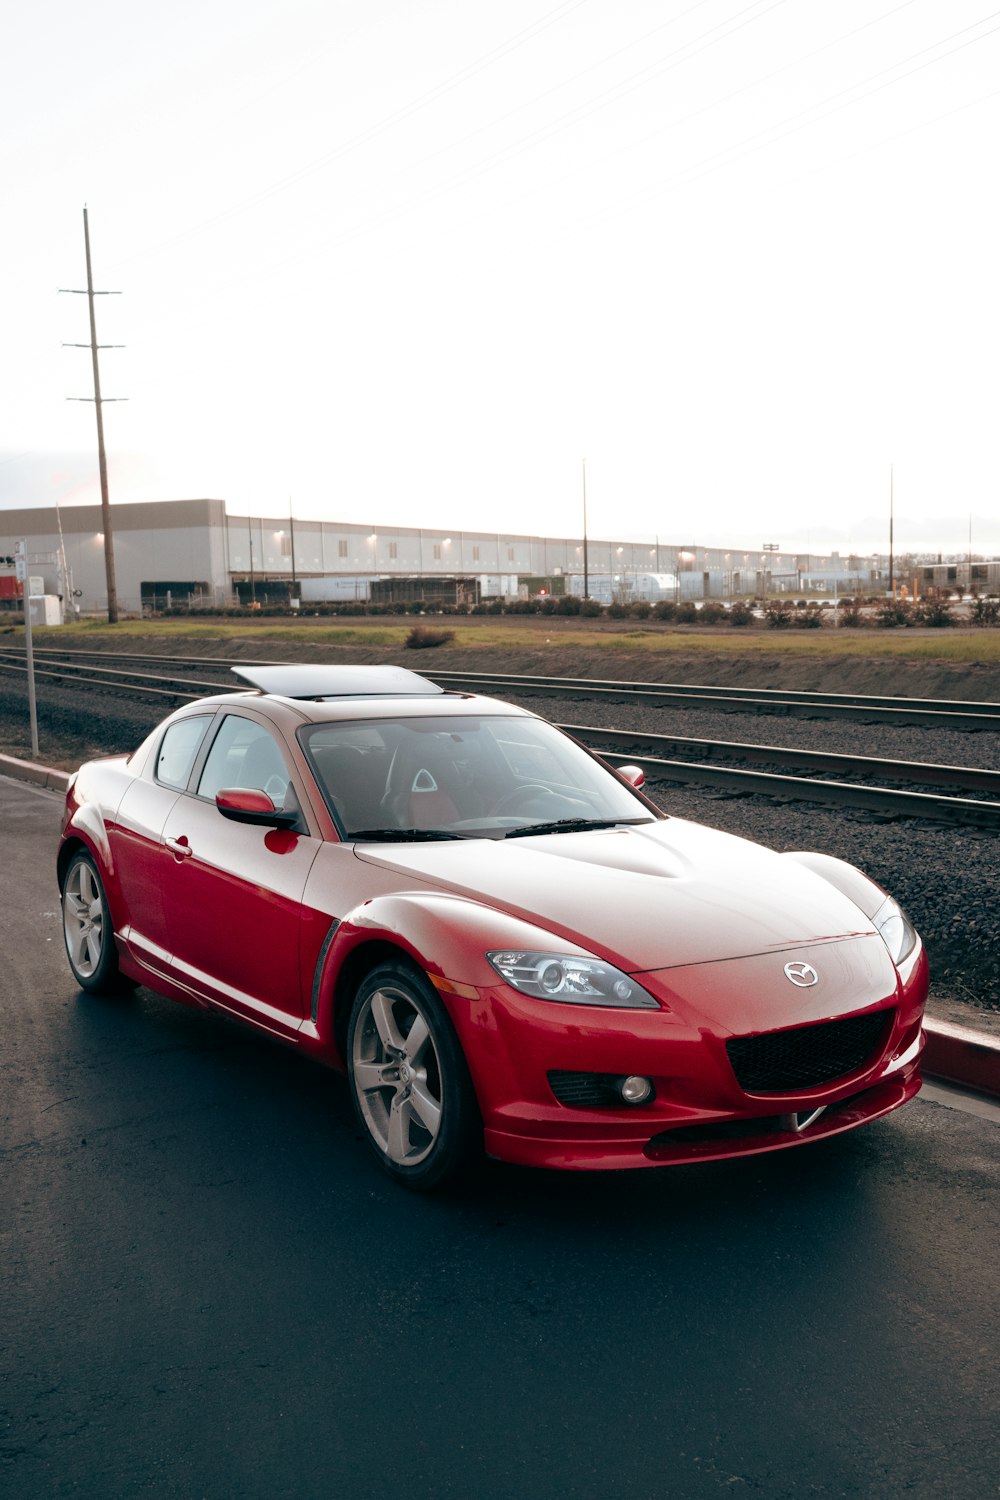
point(444, 937)
point(359, 962)
point(67, 849)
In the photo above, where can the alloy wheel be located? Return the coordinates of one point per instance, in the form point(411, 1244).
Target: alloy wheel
point(397, 1075)
point(84, 918)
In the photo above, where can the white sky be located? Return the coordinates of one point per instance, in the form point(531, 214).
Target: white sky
point(409, 261)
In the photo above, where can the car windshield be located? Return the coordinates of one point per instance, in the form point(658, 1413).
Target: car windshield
point(478, 777)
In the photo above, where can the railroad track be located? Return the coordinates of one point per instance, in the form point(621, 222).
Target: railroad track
point(891, 787)
point(664, 758)
point(970, 714)
point(924, 712)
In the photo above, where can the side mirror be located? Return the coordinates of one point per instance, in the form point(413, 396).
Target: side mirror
point(247, 805)
point(634, 775)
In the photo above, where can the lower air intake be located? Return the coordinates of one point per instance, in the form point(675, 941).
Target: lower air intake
point(586, 1090)
point(806, 1057)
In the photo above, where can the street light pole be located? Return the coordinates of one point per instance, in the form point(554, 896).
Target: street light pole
point(21, 566)
point(586, 564)
point(892, 583)
point(253, 585)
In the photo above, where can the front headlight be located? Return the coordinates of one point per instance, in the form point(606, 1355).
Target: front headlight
point(896, 929)
point(563, 976)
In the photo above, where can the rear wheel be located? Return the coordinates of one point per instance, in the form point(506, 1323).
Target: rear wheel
point(87, 929)
point(409, 1081)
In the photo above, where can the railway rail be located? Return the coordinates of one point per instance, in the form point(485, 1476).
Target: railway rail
point(782, 772)
point(621, 748)
point(970, 714)
point(934, 712)
point(929, 712)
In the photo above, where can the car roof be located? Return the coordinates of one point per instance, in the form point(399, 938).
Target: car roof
point(308, 680)
point(305, 693)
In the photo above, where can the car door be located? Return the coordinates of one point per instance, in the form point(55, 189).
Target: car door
point(135, 837)
point(232, 892)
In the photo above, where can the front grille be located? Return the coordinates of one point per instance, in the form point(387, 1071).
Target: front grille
point(586, 1090)
point(782, 1062)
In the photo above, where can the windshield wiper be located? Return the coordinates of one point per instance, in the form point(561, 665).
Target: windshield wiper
point(399, 835)
point(572, 825)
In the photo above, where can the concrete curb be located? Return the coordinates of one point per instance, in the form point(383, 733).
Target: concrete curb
point(957, 1054)
point(28, 770)
point(963, 1056)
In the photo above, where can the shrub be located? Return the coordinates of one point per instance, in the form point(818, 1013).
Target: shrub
point(664, 609)
point(420, 637)
point(986, 612)
point(617, 611)
point(640, 609)
point(591, 608)
point(686, 614)
point(778, 615)
point(933, 612)
point(713, 614)
point(741, 614)
point(893, 614)
point(569, 604)
point(851, 617)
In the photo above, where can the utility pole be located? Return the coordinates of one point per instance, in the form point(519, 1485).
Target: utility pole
point(98, 400)
point(586, 565)
point(253, 586)
point(892, 585)
point(291, 528)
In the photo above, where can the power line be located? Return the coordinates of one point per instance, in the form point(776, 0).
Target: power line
point(729, 155)
point(397, 117)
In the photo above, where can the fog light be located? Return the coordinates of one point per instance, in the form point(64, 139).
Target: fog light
point(635, 1090)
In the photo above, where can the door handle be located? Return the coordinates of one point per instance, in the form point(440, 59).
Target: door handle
point(179, 848)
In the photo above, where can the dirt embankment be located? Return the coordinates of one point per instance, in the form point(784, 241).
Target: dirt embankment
point(557, 655)
point(896, 677)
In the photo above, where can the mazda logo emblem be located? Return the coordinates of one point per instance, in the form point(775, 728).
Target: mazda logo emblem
point(801, 974)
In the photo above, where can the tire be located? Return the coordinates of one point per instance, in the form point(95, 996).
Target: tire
point(89, 936)
point(409, 1081)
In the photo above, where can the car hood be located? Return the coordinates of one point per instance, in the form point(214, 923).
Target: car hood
point(647, 897)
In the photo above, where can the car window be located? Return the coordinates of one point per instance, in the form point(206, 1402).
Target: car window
point(178, 748)
point(245, 754)
point(473, 776)
point(528, 761)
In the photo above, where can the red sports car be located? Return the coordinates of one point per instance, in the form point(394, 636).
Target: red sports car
point(498, 938)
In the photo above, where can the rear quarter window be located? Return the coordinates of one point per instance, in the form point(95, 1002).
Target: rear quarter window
point(178, 749)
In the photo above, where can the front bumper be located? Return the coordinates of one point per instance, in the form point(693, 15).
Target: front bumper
point(699, 1111)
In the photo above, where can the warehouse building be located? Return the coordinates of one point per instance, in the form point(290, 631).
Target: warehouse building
point(191, 551)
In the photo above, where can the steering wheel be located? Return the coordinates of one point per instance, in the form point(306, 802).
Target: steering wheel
point(512, 800)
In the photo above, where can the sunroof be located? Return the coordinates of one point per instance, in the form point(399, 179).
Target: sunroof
point(302, 680)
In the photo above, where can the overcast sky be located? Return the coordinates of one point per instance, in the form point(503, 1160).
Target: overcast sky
point(410, 261)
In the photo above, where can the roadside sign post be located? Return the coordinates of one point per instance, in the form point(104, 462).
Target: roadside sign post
point(21, 568)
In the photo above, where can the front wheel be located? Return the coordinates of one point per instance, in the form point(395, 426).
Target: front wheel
point(409, 1081)
point(87, 929)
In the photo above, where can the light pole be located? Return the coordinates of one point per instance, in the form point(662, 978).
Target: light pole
point(586, 563)
point(892, 581)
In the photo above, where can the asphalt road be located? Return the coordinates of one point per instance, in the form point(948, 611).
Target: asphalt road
point(206, 1290)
